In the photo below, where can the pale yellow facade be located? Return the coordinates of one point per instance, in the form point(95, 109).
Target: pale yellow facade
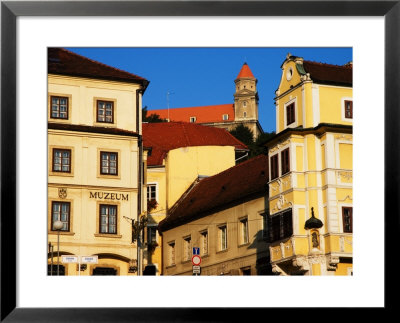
point(241, 254)
point(317, 177)
point(85, 195)
point(180, 169)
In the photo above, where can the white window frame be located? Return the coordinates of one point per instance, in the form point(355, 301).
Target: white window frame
point(152, 184)
point(244, 230)
point(225, 117)
point(223, 244)
point(187, 248)
point(204, 242)
point(172, 253)
point(192, 119)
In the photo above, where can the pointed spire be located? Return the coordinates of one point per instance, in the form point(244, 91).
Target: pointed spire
point(245, 72)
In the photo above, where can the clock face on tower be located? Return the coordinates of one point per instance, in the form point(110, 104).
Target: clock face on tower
point(289, 73)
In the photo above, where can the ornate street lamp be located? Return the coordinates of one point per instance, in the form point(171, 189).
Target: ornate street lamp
point(58, 225)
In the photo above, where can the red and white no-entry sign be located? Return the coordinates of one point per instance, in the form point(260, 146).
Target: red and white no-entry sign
point(196, 260)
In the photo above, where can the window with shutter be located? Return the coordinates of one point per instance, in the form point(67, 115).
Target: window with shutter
point(274, 167)
point(285, 161)
point(290, 114)
point(280, 226)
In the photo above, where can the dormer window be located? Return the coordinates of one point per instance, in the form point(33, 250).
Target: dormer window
point(225, 117)
point(192, 119)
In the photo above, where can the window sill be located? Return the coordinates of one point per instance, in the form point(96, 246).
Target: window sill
point(171, 266)
point(186, 261)
point(67, 174)
point(105, 235)
point(222, 251)
point(62, 233)
point(243, 244)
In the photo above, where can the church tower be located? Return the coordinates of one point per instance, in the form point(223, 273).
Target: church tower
point(246, 99)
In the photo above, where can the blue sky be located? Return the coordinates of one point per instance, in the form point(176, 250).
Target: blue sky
point(205, 76)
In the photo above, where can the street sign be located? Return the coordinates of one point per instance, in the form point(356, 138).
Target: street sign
point(89, 259)
point(69, 259)
point(196, 251)
point(196, 260)
point(196, 269)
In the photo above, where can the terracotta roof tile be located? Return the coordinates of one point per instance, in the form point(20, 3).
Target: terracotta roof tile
point(65, 62)
point(203, 114)
point(245, 72)
point(328, 73)
point(165, 136)
point(234, 185)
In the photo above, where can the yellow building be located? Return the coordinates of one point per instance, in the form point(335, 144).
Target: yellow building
point(223, 216)
point(95, 189)
point(310, 188)
point(180, 153)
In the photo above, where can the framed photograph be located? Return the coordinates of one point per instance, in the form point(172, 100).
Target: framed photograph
point(28, 29)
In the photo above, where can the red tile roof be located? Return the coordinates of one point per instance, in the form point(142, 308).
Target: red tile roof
point(245, 72)
point(203, 114)
point(65, 62)
point(235, 185)
point(328, 73)
point(165, 136)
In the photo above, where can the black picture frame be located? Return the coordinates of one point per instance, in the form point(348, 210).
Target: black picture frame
point(10, 10)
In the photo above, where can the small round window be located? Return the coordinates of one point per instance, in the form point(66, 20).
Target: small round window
point(289, 73)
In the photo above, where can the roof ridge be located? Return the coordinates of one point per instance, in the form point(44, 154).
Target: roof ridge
point(328, 64)
point(199, 106)
point(103, 64)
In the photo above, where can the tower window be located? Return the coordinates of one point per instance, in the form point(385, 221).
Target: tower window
point(244, 104)
point(290, 114)
point(244, 114)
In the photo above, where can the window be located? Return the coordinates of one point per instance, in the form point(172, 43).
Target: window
point(348, 109)
point(244, 104)
point(290, 114)
point(347, 214)
point(223, 239)
point(60, 211)
point(187, 248)
point(62, 160)
point(244, 231)
point(280, 226)
point(108, 219)
point(109, 163)
point(204, 242)
point(192, 119)
point(244, 114)
point(59, 107)
point(105, 111)
point(171, 253)
point(152, 192)
point(274, 167)
point(285, 161)
point(225, 117)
